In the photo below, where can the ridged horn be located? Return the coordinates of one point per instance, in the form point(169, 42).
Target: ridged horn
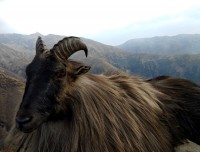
point(40, 46)
point(68, 46)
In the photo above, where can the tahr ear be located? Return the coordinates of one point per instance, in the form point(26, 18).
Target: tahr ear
point(82, 70)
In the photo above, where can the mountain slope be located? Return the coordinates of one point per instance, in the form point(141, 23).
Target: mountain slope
point(13, 60)
point(16, 60)
point(11, 89)
point(104, 58)
point(164, 45)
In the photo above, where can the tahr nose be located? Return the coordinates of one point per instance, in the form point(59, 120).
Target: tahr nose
point(23, 119)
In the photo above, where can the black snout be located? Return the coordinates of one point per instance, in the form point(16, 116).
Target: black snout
point(23, 120)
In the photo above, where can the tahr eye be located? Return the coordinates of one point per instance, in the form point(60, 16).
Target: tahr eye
point(60, 73)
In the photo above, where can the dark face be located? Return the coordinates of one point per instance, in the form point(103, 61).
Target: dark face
point(47, 74)
point(44, 78)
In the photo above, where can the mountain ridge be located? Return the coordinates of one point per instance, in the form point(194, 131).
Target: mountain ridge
point(102, 58)
point(164, 45)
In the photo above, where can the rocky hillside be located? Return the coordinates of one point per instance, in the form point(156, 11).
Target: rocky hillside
point(103, 58)
point(164, 45)
point(11, 89)
point(13, 60)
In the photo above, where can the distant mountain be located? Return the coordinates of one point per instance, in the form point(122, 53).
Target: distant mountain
point(104, 58)
point(100, 65)
point(148, 66)
point(15, 60)
point(164, 45)
point(18, 42)
point(26, 43)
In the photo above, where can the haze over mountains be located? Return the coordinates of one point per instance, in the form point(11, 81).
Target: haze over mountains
point(149, 57)
point(164, 45)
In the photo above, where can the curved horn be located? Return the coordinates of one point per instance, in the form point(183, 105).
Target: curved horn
point(66, 47)
point(40, 46)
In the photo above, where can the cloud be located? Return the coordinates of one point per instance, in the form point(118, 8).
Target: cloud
point(110, 22)
point(187, 22)
point(4, 28)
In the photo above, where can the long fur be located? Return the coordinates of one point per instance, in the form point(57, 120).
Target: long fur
point(183, 103)
point(77, 112)
point(119, 113)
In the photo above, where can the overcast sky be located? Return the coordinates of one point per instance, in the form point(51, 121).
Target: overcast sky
point(107, 21)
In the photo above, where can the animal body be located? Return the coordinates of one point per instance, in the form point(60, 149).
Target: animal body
point(183, 103)
point(66, 109)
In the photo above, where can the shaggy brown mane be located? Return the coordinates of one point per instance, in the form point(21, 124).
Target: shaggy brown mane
point(64, 109)
point(104, 118)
